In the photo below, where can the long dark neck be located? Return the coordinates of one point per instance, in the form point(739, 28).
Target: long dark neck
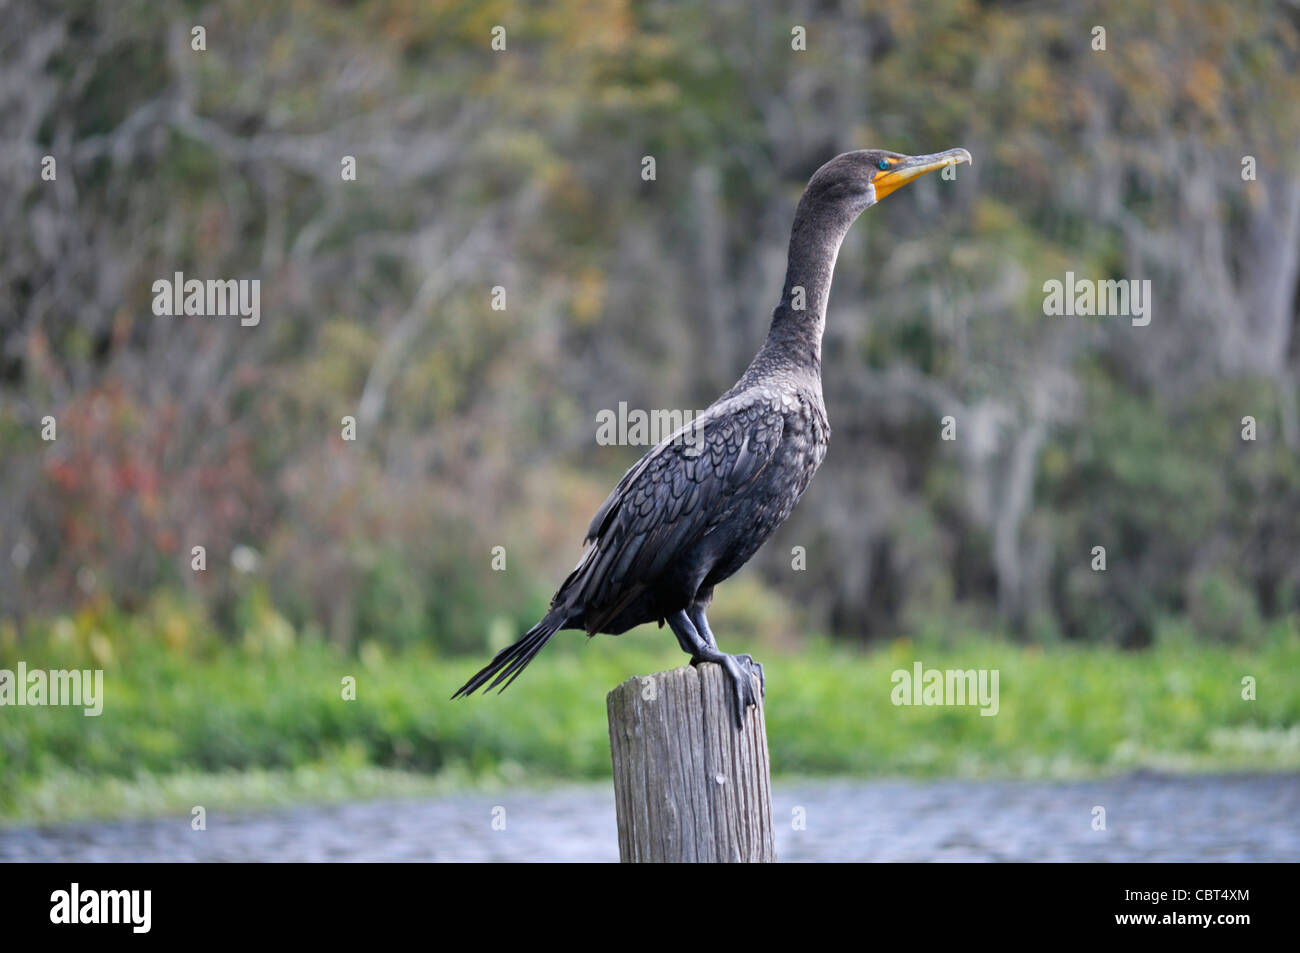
point(796, 334)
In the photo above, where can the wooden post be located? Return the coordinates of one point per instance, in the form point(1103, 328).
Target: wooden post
point(689, 786)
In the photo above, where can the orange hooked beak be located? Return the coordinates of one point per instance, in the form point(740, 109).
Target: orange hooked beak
point(908, 168)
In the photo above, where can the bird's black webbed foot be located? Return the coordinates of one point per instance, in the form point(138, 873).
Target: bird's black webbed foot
point(741, 670)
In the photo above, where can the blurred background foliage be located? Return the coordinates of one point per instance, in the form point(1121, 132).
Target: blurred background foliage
point(522, 169)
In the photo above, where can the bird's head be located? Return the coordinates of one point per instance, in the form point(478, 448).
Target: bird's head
point(858, 180)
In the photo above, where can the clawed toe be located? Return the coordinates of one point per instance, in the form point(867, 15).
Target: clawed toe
point(744, 696)
point(740, 670)
point(757, 669)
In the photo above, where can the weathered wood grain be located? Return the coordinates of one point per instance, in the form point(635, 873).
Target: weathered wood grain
point(688, 785)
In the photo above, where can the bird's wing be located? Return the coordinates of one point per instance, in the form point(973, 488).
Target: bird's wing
point(669, 499)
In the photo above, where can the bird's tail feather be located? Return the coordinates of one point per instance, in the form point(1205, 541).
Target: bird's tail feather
point(512, 660)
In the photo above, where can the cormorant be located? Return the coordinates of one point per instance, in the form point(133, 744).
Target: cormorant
point(695, 508)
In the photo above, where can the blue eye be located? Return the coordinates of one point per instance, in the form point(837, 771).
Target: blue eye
point(882, 165)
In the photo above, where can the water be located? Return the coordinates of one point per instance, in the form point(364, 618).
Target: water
point(1148, 818)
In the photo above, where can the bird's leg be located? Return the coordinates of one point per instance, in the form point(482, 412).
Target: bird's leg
point(742, 683)
point(687, 636)
point(696, 614)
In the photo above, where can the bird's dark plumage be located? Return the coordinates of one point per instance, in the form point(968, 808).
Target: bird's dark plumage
point(695, 508)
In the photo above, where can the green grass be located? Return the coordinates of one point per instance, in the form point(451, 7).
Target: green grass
point(266, 724)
